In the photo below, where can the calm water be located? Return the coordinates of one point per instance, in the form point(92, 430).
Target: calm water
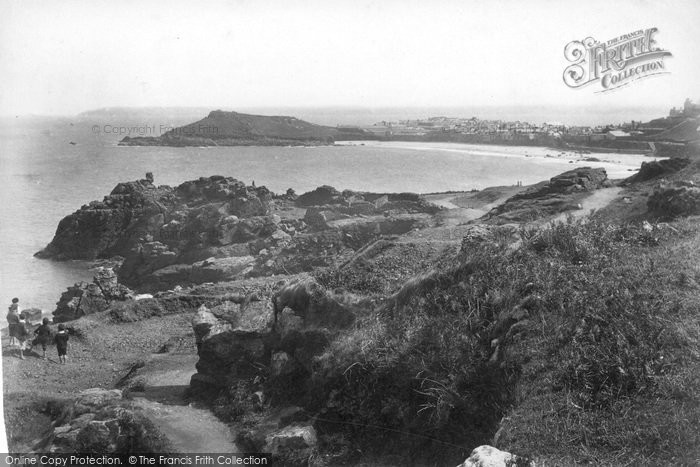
point(43, 178)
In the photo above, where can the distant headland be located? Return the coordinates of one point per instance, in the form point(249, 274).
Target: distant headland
point(222, 128)
point(227, 128)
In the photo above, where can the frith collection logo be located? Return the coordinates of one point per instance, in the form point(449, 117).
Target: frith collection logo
point(615, 63)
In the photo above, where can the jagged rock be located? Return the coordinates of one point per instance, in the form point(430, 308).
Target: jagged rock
point(295, 325)
point(488, 456)
point(236, 345)
point(86, 298)
point(155, 227)
point(79, 300)
point(672, 201)
point(100, 421)
point(208, 270)
point(106, 280)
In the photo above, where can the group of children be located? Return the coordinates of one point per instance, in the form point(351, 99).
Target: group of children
point(19, 334)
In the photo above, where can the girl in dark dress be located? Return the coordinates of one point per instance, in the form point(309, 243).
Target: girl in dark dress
point(61, 341)
point(43, 336)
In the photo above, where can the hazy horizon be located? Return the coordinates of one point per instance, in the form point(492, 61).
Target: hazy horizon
point(67, 57)
point(359, 115)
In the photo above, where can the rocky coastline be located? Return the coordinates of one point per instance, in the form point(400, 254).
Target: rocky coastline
point(340, 327)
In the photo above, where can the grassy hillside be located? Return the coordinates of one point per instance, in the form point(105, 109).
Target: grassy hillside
point(581, 345)
point(577, 342)
point(685, 131)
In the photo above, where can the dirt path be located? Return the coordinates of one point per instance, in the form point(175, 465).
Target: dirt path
point(100, 358)
point(598, 200)
point(189, 428)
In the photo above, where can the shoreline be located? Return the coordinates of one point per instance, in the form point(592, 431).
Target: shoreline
point(371, 271)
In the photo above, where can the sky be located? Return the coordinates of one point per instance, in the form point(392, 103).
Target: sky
point(65, 57)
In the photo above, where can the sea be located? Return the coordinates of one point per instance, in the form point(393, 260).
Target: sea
point(51, 166)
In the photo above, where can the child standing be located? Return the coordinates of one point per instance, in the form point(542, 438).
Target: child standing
point(13, 321)
point(43, 336)
point(22, 335)
point(61, 341)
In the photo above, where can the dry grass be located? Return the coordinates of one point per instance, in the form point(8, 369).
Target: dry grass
point(602, 367)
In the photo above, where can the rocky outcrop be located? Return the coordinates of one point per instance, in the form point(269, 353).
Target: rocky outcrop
point(653, 169)
point(102, 229)
point(336, 205)
point(680, 199)
point(560, 194)
point(275, 338)
point(322, 195)
point(100, 421)
point(87, 298)
point(162, 227)
point(235, 345)
point(217, 228)
point(488, 456)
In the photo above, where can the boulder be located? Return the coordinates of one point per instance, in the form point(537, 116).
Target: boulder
point(202, 322)
point(488, 456)
point(236, 345)
point(292, 444)
point(87, 298)
point(581, 179)
point(317, 218)
point(32, 315)
point(208, 270)
point(228, 354)
point(79, 300)
point(322, 195)
point(106, 280)
point(100, 421)
point(89, 400)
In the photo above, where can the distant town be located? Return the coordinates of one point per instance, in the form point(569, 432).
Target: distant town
point(681, 126)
